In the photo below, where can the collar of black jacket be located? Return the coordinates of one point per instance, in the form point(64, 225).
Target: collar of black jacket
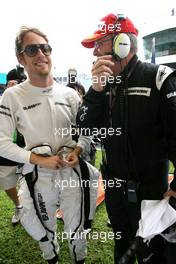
point(129, 68)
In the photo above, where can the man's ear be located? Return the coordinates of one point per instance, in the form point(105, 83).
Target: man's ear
point(20, 59)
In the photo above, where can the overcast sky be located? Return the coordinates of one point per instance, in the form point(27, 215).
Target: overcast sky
point(67, 22)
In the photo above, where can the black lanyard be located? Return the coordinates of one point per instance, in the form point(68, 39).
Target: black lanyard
point(123, 95)
point(112, 98)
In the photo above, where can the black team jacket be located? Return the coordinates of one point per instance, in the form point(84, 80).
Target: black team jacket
point(137, 121)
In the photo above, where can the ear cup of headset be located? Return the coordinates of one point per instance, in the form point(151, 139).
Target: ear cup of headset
point(121, 45)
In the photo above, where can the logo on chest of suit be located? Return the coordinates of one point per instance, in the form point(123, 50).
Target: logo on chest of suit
point(42, 207)
point(143, 91)
point(30, 106)
point(47, 90)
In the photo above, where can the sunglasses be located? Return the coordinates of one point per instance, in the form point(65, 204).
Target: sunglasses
point(98, 44)
point(32, 50)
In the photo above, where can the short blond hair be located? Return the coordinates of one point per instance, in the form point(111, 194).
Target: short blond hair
point(22, 33)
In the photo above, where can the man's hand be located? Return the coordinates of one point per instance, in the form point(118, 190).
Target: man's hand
point(101, 71)
point(53, 162)
point(72, 158)
point(170, 193)
point(11, 83)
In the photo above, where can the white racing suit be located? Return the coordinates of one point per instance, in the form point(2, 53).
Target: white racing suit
point(40, 189)
point(45, 114)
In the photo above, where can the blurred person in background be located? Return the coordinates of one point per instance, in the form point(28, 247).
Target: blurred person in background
point(8, 177)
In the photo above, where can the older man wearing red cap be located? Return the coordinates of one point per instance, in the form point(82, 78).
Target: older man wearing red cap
point(110, 24)
point(135, 104)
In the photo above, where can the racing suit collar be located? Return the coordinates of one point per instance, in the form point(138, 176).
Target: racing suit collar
point(38, 90)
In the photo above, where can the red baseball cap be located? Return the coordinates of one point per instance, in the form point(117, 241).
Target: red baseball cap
point(110, 24)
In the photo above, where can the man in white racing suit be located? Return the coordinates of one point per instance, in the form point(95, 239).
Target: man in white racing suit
point(43, 112)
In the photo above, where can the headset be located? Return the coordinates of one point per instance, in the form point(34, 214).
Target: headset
point(121, 42)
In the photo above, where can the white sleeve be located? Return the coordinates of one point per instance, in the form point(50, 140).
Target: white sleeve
point(8, 149)
point(83, 141)
point(75, 102)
